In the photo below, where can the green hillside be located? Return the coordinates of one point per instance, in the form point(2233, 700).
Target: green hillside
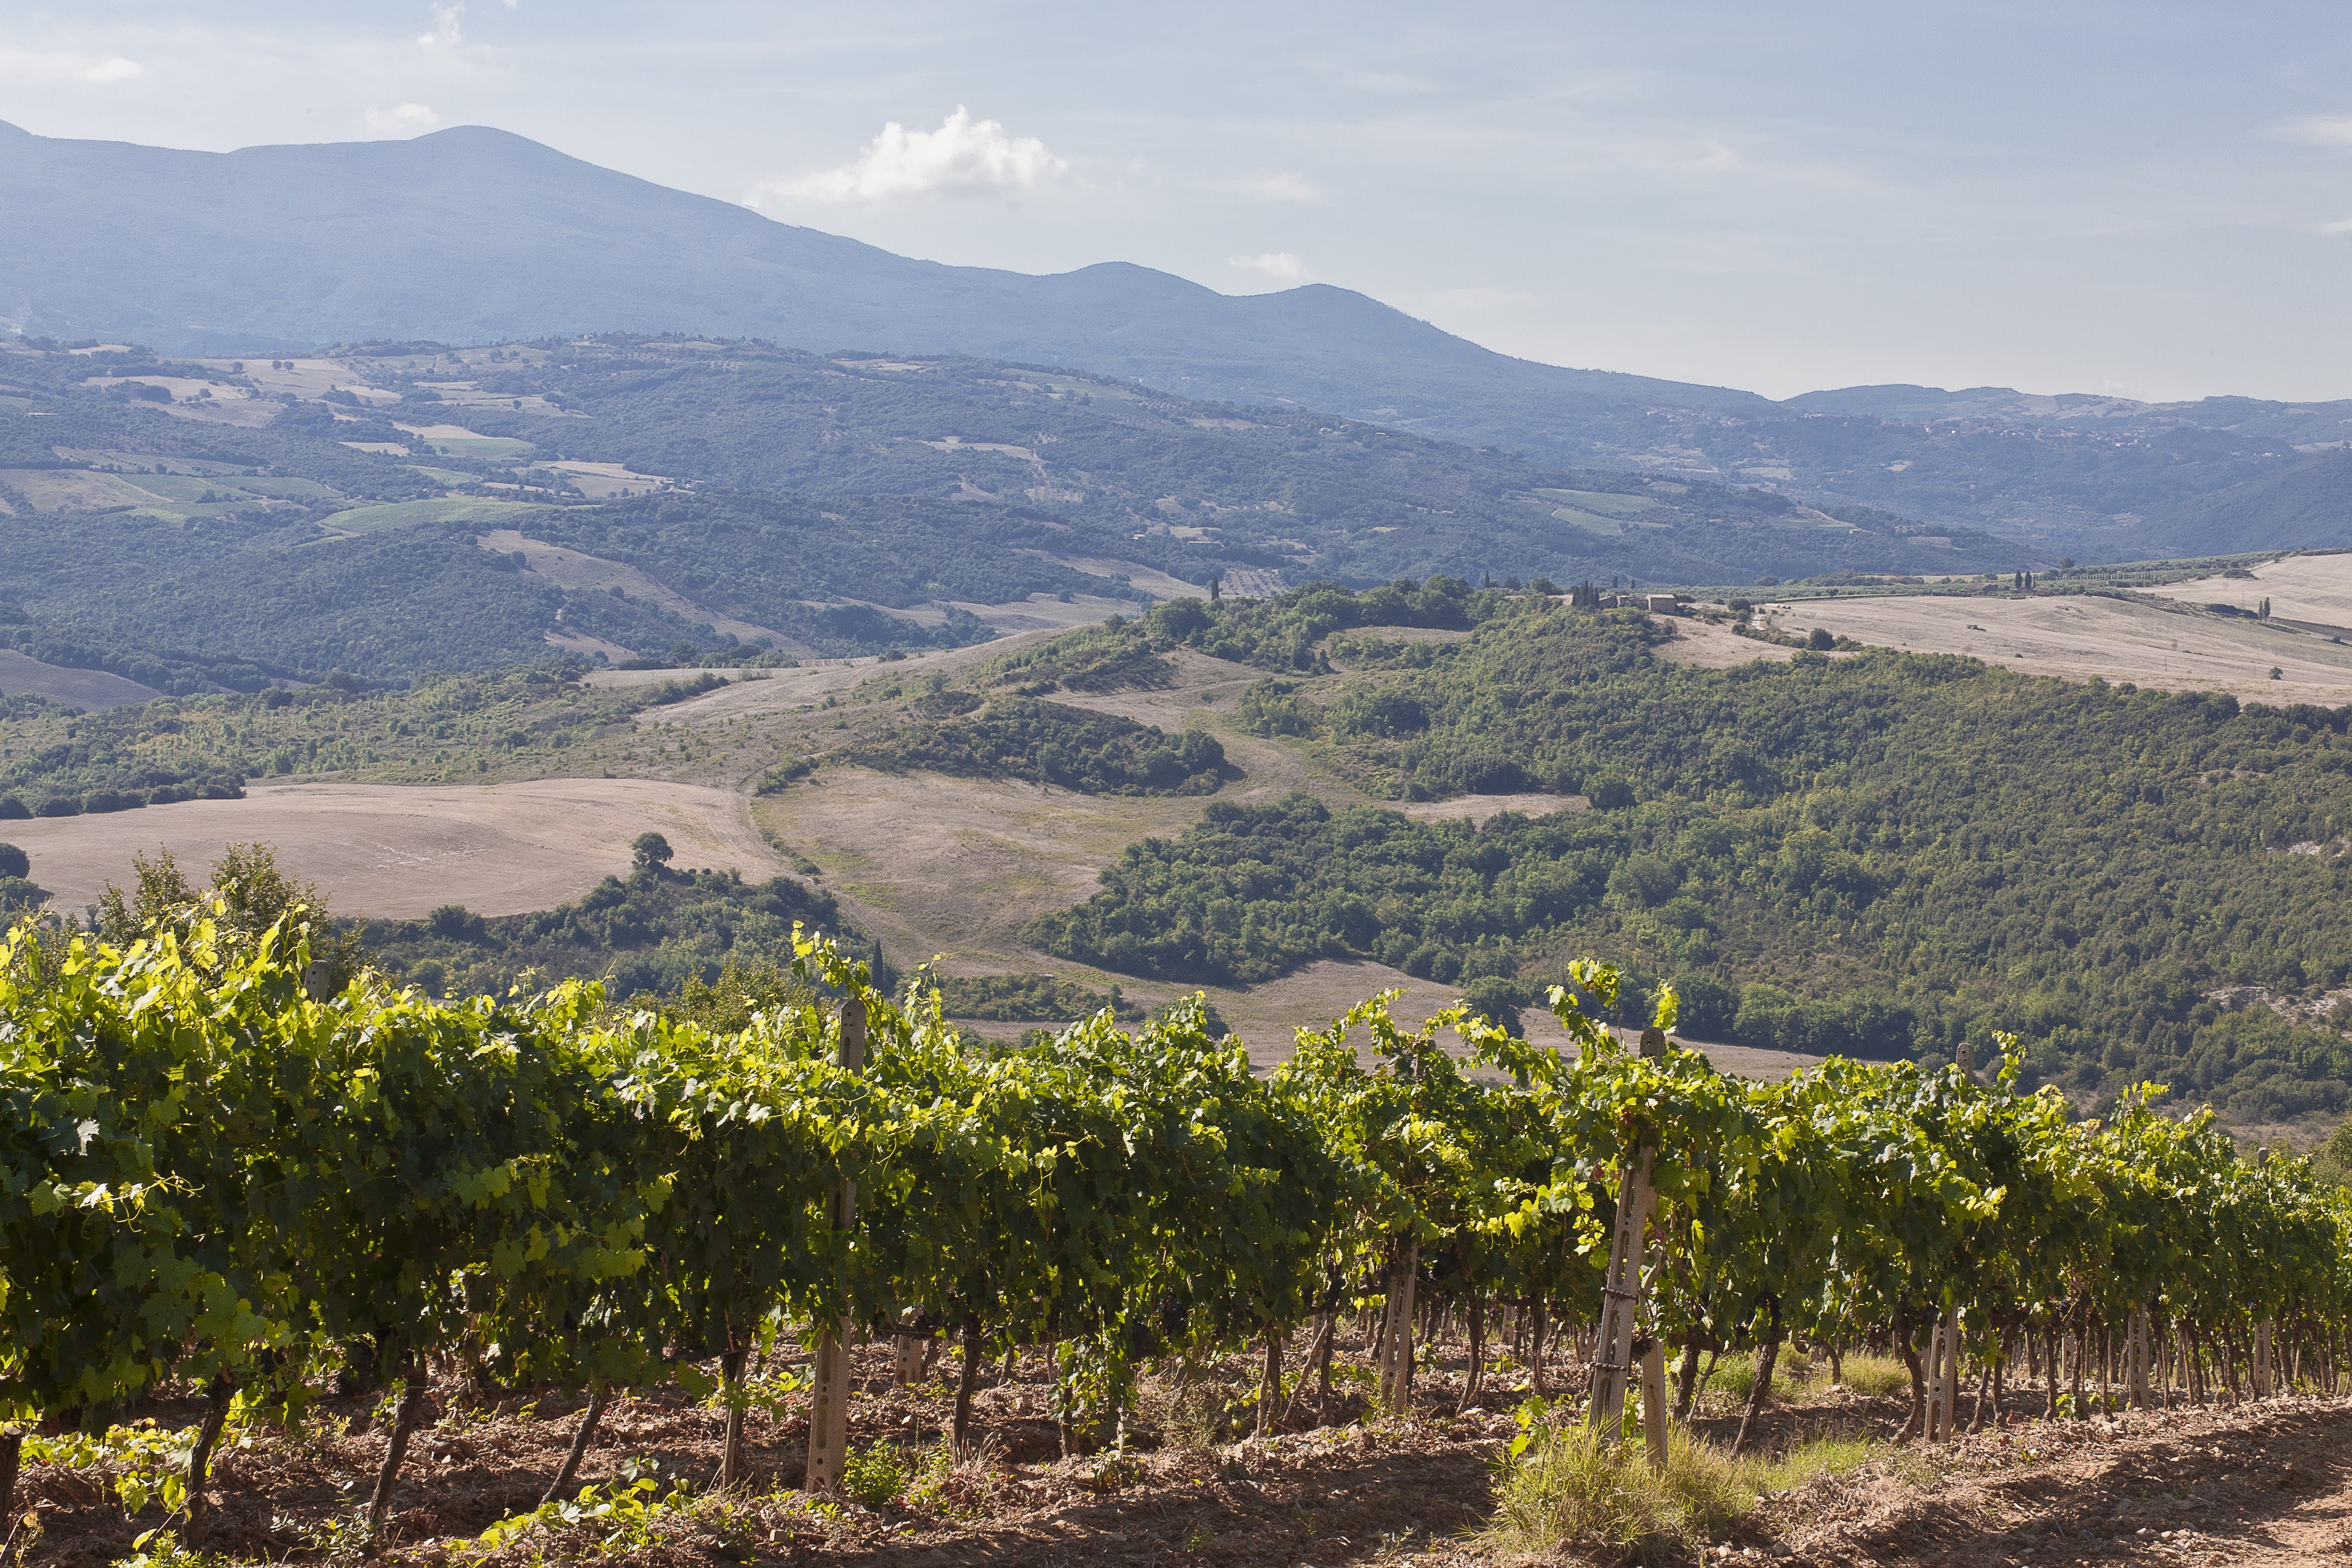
point(1881, 853)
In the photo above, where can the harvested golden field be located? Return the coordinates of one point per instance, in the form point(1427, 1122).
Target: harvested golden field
point(23, 677)
point(2310, 588)
point(2076, 636)
point(396, 852)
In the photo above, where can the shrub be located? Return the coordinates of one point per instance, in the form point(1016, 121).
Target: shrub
point(1273, 707)
point(876, 1474)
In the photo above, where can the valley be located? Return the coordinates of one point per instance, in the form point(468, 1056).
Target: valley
point(677, 891)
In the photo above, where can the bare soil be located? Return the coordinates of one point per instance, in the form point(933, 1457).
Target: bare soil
point(2268, 1484)
point(396, 851)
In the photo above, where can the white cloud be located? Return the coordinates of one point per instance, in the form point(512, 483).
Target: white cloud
point(56, 65)
point(2320, 129)
point(1281, 186)
point(1279, 265)
point(963, 157)
point(2340, 226)
point(449, 29)
point(402, 119)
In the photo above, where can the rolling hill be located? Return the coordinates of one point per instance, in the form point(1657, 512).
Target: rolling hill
point(414, 509)
point(476, 236)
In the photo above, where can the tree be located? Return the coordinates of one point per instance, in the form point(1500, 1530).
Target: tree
point(650, 851)
point(15, 861)
point(248, 894)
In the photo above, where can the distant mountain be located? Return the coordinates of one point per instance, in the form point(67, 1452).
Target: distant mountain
point(474, 235)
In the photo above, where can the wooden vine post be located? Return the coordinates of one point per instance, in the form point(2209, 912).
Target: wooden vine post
point(1945, 1372)
point(1613, 1351)
point(829, 1398)
point(1396, 1327)
point(2135, 1359)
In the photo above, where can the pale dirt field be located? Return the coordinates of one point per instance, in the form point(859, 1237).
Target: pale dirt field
point(1478, 808)
point(79, 489)
point(1708, 647)
point(576, 569)
point(1043, 611)
point(396, 852)
point(2314, 588)
point(2076, 637)
point(602, 481)
point(306, 379)
point(92, 689)
point(444, 432)
point(930, 864)
point(1150, 578)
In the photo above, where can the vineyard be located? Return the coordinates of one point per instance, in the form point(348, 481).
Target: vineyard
point(227, 1184)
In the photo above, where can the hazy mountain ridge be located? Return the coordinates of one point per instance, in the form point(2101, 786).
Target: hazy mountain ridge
point(476, 236)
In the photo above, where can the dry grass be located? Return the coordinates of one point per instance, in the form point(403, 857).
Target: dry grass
point(1878, 1376)
point(1566, 1489)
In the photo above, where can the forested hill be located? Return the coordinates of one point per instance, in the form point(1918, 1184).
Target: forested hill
point(1189, 488)
point(1877, 852)
point(474, 236)
point(362, 512)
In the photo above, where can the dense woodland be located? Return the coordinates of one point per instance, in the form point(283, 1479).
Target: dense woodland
point(1048, 743)
point(1190, 487)
point(1877, 853)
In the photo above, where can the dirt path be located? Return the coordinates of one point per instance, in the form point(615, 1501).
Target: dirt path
point(2267, 1485)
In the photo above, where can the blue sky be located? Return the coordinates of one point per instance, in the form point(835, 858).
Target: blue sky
point(2148, 200)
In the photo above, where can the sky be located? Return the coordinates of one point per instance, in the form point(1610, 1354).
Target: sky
point(2147, 199)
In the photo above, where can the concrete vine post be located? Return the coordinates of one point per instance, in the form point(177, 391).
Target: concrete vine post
point(829, 1398)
